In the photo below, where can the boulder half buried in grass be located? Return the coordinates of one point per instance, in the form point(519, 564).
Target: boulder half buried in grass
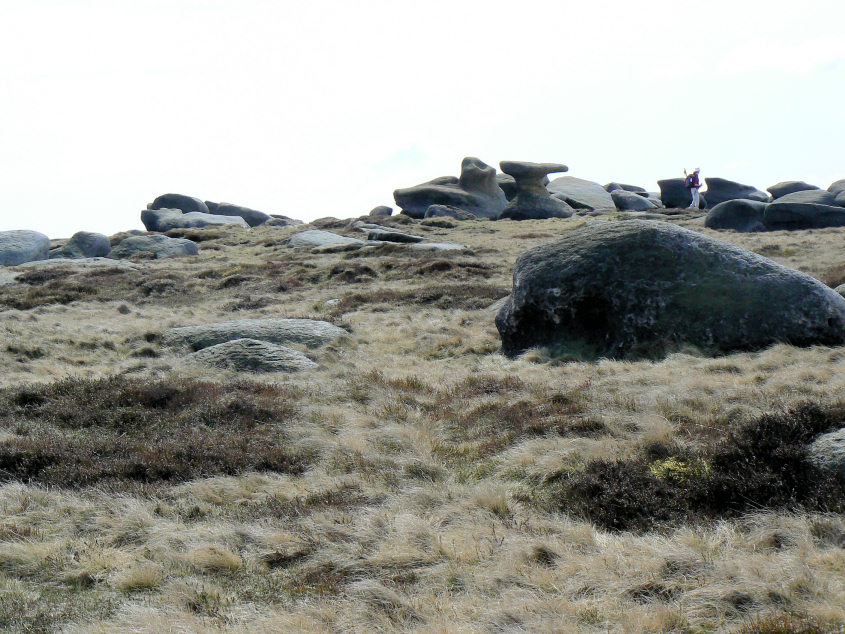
point(638, 289)
point(275, 330)
point(251, 355)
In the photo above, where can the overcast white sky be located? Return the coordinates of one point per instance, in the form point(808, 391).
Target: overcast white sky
point(322, 108)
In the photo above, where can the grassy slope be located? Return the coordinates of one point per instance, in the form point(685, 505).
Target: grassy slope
point(428, 454)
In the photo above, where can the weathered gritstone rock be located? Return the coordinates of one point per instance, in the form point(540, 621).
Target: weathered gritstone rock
point(633, 289)
point(837, 187)
point(828, 452)
point(532, 200)
point(630, 201)
point(381, 210)
point(252, 217)
point(79, 264)
point(445, 211)
point(183, 203)
point(782, 216)
point(789, 187)
point(612, 187)
point(159, 246)
point(19, 246)
point(251, 355)
point(438, 246)
point(808, 197)
point(317, 238)
point(275, 330)
point(167, 219)
point(476, 192)
point(840, 289)
point(386, 235)
point(84, 244)
point(674, 194)
point(581, 194)
point(740, 215)
point(720, 190)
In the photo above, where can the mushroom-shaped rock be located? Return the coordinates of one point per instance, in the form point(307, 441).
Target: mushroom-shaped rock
point(532, 200)
point(789, 187)
point(476, 191)
point(252, 355)
point(180, 202)
point(630, 201)
point(19, 246)
point(167, 219)
point(720, 190)
point(740, 215)
point(582, 194)
point(275, 330)
point(637, 288)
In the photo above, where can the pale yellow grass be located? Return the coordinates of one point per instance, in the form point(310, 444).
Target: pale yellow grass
point(427, 542)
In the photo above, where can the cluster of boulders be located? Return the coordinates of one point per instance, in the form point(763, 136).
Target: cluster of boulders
point(792, 205)
point(177, 211)
point(523, 191)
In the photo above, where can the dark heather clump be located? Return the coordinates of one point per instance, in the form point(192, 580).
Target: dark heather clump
point(119, 432)
point(762, 464)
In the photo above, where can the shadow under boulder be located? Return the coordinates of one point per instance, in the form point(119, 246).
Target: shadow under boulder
point(639, 289)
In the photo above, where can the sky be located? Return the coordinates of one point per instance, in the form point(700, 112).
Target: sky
point(323, 108)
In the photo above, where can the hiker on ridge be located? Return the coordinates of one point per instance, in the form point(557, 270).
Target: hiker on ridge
point(692, 183)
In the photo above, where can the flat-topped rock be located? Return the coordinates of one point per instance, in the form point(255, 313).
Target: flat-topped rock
point(275, 330)
point(532, 200)
point(252, 355)
point(789, 187)
point(581, 194)
point(19, 246)
point(167, 219)
point(181, 202)
point(79, 264)
point(386, 235)
point(318, 238)
point(157, 246)
point(720, 190)
point(476, 192)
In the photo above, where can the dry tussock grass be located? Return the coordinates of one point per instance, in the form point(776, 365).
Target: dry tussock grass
point(428, 460)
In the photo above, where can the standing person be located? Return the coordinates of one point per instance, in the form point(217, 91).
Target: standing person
point(692, 183)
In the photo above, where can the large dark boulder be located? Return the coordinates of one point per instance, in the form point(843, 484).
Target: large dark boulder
point(783, 216)
point(532, 200)
point(252, 217)
point(674, 194)
point(789, 187)
point(179, 201)
point(630, 201)
point(83, 244)
point(740, 215)
point(476, 191)
point(19, 246)
point(720, 190)
point(638, 288)
point(612, 187)
point(582, 194)
point(167, 219)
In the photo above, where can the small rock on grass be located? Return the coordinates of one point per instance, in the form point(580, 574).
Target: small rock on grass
point(251, 355)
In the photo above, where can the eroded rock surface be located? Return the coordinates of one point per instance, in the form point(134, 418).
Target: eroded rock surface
point(532, 201)
point(252, 355)
point(275, 330)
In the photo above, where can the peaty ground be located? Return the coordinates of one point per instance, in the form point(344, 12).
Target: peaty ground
point(411, 483)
